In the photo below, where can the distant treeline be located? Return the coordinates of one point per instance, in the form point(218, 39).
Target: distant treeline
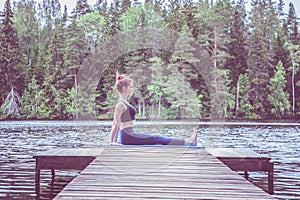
point(256, 52)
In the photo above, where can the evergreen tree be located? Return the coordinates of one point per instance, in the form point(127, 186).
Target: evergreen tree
point(281, 10)
point(180, 95)
point(11, 104)
point(157, 85)
point(264, 27)
point(10, 60)
point(28, 28)
point(101, 6)
point(244, 107)
point(174, 17)
point(237, 50)
point(31, 100)
point(125, 4)
point(49, 18)
point(76, 50)
point(292, 25)
point(295, 63)
point(140, 61)
point(278, 97)
point(82, 7)
point(64, 19)
point(113, 18)
point(282, 54)
point(292, 67)
point(54, 82)
point(93, 26)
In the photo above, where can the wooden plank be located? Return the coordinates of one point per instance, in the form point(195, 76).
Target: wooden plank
point(70, 152)
point(235, 153)
point(162, 173)
point(62, 159)
point(239, 159)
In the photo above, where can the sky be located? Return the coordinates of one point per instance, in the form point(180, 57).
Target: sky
point(71, 4)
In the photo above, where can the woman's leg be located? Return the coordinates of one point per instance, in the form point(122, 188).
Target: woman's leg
point(130, 137)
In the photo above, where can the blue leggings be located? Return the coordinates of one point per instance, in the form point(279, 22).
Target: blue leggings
point(130, 137)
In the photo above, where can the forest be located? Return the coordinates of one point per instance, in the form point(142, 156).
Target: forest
point(60, 64)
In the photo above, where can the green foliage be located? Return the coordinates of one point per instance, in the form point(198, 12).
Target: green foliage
point(93, 26)
point(264, 28)
point(245, 109)
point(27, 27)
point(51, 59)
point(278, 97)
point(10, 58)
point(31, 99)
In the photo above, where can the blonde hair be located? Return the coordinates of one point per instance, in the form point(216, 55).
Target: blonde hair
point(122, 80)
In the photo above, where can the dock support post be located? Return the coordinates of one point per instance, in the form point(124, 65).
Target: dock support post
point(271, 178)
point(246, 174)
point(37, 179)
point(52, 173)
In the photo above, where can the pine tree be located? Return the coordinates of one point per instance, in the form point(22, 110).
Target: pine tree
point(174, 17)
point(82, 7)
point(264, 27)
point(28, 28)
point(281, 10)
point(237, 50)
point(10, 60)
point(93, 26)
point(245, 108)
point(31, 100)
point(292, 45)
point(76, 50)
point(54, 82)
point(11, 104)
point(125, 4)
point(101, 6)
point(182, 97)
point(49, 18)
point(113, 18)
point(292, 25)
point(278, 97)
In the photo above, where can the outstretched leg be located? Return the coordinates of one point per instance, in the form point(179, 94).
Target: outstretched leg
point(192, 141)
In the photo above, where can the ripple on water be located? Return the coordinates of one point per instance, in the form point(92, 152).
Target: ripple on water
point(19, 141)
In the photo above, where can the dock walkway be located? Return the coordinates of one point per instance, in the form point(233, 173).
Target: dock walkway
point(240, 159)
point(135, 172)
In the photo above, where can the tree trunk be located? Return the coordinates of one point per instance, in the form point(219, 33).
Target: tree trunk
point(152, 109)
point(140, 106)
point(159, 107)
point(293, 89)
point(144, 109)
point(76, 91)
point(75, 82)
point(237, 99)
point(215, 47)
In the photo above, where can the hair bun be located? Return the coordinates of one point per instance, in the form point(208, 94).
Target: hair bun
point(120, 77)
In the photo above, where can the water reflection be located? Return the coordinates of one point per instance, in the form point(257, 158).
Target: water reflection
point(19, 141)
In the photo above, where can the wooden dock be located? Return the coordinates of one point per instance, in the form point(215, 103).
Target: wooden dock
point(58, 159)
point(158, 172)
point(246, 160)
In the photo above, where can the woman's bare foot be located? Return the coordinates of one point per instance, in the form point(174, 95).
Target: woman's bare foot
point(192, 141)
point(194, 137)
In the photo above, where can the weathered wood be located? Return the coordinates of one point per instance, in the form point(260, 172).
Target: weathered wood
point(137, 172)
point(55, 159)
point(239, 159)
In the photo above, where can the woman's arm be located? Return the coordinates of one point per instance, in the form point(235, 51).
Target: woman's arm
point(114, 130)
point(119, 109)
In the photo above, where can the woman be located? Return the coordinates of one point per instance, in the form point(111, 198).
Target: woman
point(124, 118)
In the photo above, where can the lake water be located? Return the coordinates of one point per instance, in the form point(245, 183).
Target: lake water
point(20, 140)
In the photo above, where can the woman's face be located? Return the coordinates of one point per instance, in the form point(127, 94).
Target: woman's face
point(129, 89)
